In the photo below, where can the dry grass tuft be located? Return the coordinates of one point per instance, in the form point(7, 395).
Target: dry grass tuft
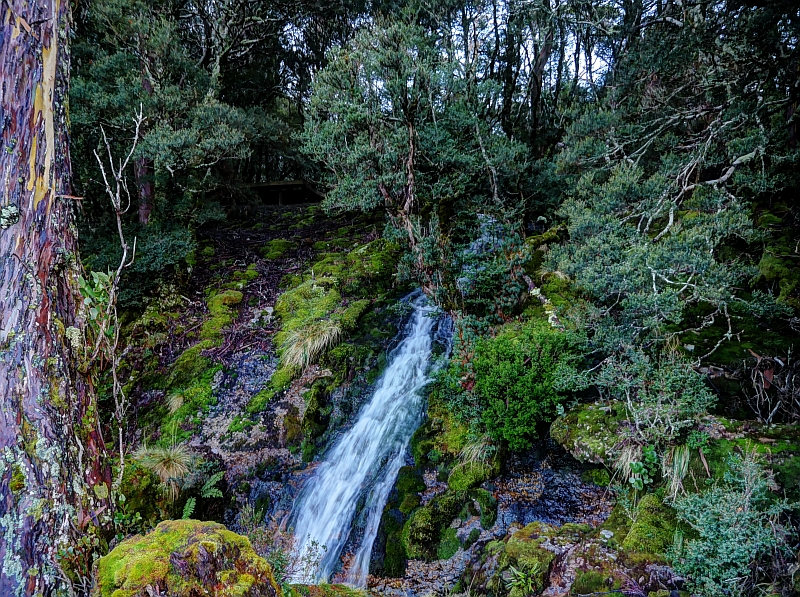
point(304, 345)
point(674, 468)
point(170, 464)
point(174, 402)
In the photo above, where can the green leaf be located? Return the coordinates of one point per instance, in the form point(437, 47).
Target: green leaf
point(209, 488)
point(188, 508)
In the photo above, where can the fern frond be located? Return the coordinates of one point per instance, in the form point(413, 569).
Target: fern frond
point(209, 489)
point(188, 508)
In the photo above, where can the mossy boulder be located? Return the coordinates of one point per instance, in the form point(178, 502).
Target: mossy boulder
point(275, 248)
point(524, 552)
point(184, 558)
point(467, 475)
point(403, 500)
point(589, 432)
point(423, 530)
point(654, 528)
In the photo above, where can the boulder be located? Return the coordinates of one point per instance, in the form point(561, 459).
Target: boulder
point(185, 558)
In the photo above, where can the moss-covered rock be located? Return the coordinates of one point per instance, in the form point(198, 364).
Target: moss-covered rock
point(448, 544)
point(184, 558)
point(467, 475)
point(422, 533)
point(242, 278)
point(220, 307)
point(589, 432)
point(654, 528)
point(523, 552)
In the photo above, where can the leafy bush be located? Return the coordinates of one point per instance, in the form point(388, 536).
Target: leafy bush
point(663, 396)
point(737, 531)
point(515, 379)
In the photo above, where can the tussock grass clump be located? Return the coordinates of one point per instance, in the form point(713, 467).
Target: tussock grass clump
point(674, 467)
point(170, 464)
point(304, 345)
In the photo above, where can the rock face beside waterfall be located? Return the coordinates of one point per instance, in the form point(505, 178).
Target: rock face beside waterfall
point(182, 558)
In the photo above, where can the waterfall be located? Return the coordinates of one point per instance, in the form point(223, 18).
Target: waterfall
point(364, 462)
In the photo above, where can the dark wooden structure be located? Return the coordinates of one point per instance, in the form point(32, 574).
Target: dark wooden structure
point(286, 192)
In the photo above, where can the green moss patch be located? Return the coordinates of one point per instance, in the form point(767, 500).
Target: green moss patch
point(190, 365)
point(524, 553)
point(422, 533)
point(276, 248)
point(653, 530)
point(193, 403)
point(467, 475)
point(220, 307)
point(184, 558)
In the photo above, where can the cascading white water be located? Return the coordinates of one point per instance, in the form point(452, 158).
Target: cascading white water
point(366, 459)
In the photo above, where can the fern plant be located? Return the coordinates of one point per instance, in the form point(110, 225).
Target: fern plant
point(188, 508)
point(210, 489)
point(524, 582)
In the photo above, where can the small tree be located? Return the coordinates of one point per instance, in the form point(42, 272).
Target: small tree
point(398, 119)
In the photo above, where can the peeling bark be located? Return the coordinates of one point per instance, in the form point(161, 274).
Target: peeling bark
point(51, 467)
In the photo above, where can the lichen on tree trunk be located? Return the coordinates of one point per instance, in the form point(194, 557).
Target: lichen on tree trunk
point(53, 483)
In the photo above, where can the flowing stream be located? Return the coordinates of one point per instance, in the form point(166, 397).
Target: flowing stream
point(364, 462)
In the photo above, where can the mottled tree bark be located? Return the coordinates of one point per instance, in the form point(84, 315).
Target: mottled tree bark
point(52, 480)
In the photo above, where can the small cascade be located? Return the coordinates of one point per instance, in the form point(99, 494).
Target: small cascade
point(364, 462)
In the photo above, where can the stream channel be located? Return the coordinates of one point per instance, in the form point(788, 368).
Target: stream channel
point(364, 462)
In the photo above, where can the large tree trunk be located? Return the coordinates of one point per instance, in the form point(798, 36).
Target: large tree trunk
point(53, 485)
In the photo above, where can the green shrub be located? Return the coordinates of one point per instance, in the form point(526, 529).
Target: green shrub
point(737, 529)
point(664, 396)
point(515, 376)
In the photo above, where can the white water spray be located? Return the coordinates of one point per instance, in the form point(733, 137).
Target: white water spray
point(366, 459)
